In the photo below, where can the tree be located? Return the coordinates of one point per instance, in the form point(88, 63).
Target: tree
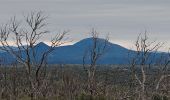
point(25, 37)
point(161, 83)
point(143, 59)
point(93, 53)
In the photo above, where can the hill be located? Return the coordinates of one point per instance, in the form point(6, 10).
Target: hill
point(73, 54)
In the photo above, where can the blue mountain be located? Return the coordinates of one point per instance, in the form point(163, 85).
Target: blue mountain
point(73, 54)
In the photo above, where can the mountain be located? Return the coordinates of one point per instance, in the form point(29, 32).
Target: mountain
point(39, 50)
point(73, 54)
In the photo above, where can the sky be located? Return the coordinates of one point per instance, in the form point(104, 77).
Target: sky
point(123, 20)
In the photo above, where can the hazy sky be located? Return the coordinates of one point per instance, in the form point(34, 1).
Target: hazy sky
point(122, 19)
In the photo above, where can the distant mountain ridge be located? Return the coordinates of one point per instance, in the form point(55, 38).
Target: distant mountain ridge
point(73, 54)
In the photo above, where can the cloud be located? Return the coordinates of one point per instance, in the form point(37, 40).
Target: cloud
point(123, 19)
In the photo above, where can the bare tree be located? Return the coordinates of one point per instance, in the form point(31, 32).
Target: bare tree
point(161, 85)
point(143, 59)
point(93, 54)
point(25, 38)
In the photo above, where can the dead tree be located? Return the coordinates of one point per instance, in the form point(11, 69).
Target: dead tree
point(25, 37)
point(163, 64)
point(93, 53)
point(143, 59)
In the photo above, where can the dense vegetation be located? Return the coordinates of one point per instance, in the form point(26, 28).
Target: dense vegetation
point(69, 82)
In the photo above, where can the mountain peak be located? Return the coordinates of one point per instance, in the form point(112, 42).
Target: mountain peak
point(42, 45)
point(88, 41)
